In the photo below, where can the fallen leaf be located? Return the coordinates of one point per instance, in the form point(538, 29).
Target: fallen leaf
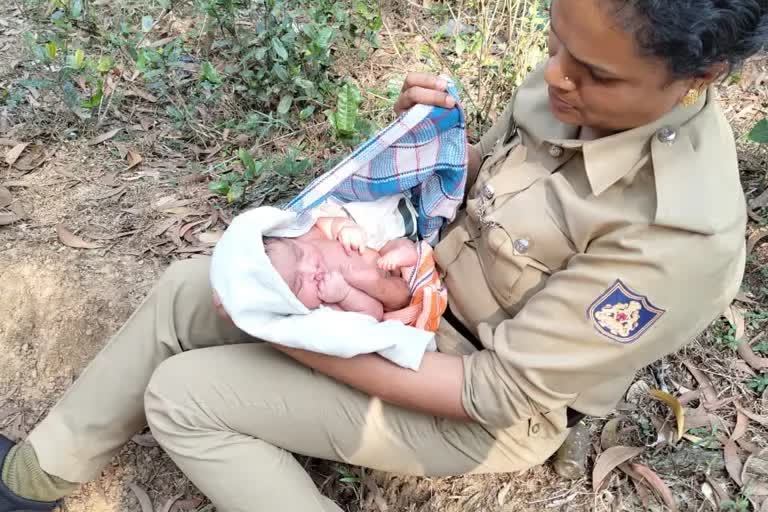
point(33, 158)
point(609, 437)
point(110, 193)
point(182, 211)
point(115, 236)
point(705, 385)
point(165, 226)
point(190, 504)
point(742, 297)
point(733, 462)
point(676, 407)
point(609, 460)
point(755, 474)
point(657, 484)
point(8, 142)
point(762, 420)
point(146, 440)
point(637, 391)
point(138, 93)
point(103, 137)
point(736, 318)
point(742, 422)
point(755, 238)
point(689, 396)
point(501, 498)
point(186, 227)
point(200, 248)
point(70, 240)
point(169, 504)
point(210, 237)
point(15, 152)
point(748, 355)
point(142, 496)
point(7, 218)
point(134, 159)
point(6, 197)
point(720, 493)
point(18, 209)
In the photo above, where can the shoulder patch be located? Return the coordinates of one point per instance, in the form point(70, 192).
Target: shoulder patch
point(623, 315)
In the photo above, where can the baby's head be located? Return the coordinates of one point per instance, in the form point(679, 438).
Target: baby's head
point(301, 266)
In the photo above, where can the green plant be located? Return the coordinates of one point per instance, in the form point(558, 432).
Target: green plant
point(740, 504)
point(727, 336)
point(759, 383)
point(759, 133)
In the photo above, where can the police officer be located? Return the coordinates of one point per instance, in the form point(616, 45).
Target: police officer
point(604, 228)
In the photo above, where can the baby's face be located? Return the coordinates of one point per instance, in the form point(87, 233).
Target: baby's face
point(301, 266)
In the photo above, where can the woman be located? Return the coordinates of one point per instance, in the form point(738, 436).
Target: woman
point(570, 268)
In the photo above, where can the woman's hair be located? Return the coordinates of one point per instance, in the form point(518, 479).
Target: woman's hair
point(692, 35)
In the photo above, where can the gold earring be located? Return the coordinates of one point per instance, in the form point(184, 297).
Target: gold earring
point(690, 98)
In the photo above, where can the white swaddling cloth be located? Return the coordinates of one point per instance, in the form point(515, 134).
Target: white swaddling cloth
point(261, 303)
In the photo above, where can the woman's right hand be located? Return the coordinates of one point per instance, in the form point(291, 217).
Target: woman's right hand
point(425, 89)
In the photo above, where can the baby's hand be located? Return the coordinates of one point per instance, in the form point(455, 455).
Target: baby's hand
point(353, 238)
point(389, 262)
point(333, 288)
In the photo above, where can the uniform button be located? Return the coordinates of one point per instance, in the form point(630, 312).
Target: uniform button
point(488, 192)
point(667, 135)
point(521, 245)
point(555, 151)
point(535, 428)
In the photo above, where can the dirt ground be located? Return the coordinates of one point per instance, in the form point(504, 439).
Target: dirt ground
point(60, 304)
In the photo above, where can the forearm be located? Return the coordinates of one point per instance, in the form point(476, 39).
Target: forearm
point(435, 389)
point(360, 302)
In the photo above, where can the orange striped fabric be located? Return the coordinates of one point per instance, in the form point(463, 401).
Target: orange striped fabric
point(429, 299)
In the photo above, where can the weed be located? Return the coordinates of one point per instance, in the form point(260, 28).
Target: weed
point(759, 133)
point(740, 504)
point(758, 383)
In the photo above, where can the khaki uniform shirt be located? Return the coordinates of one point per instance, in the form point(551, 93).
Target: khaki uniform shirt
point(578, 262)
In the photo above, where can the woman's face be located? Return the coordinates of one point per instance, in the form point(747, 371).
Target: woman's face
point(596, 75)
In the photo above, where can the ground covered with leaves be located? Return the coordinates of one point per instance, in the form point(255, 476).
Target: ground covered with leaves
point(132, 132)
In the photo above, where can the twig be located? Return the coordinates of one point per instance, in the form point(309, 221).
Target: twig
point(394, 43)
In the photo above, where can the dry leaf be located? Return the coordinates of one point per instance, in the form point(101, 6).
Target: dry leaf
point(33, 158)
point(658, 485)
point(705, 385)
point(736, 318)
point(609, 460)
point(742, 297)
point(6, 197)
point(501, 498)
point(676, 407)
point(169, 504)
point(146, 440)
point(637, 392)
point(755, 475)
point(719, 491)
point(689, 396)
point(70, 240)
point(138, 93)
point(115, 236)
point(732, 460)
point(210, 237)
point(755, 238)
point(742, 422)
point(134, 159)
point(762, 420)
point(748, 355)
point(15, 152)
point(8, 142)
point(7, 218)
point(109, 194)
point(747, 446)
point(609, 437)
point(142, 496)
point(190, 504)
point(18, 209)
point(165, 226)
point(103, 137)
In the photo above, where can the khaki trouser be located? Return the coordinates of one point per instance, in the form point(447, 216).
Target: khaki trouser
point(231, 412)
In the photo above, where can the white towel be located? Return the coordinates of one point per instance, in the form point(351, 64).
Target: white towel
point(261, 304)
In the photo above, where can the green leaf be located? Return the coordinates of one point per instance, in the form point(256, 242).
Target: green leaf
point(76, 60)
point(324, 37)
point(51, 50)
point(210, 74)
point(105, 64)
point(279, 48)
point(95, 99)
point(285, 105)
point(347, 104)
point(306, 112)
point(220, 187)
point(304, 83)
point(76, 9)
point(146, 23)
point(759, 133)
point(252, 167)
point(235, 193)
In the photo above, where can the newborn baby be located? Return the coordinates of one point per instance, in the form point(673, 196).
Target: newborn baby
point(330, 265)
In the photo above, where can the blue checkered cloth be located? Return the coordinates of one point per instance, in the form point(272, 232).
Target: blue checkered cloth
point(422, 154)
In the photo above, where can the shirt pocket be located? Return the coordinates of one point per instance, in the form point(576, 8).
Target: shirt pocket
point(521, 248)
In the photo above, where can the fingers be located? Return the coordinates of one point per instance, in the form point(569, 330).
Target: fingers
point(426, 80)
point(422, 96)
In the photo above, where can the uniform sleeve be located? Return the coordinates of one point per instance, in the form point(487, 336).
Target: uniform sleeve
point(499, 128)
point(672, 282)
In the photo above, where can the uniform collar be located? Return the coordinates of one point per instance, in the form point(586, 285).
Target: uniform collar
point(606, 160)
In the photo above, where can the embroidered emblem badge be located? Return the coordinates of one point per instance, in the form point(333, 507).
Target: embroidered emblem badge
point(623, 315)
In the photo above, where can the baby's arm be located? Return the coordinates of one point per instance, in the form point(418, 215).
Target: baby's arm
point(398, 254)
point(337, 292)
point(346, 231)
point(392, 292)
